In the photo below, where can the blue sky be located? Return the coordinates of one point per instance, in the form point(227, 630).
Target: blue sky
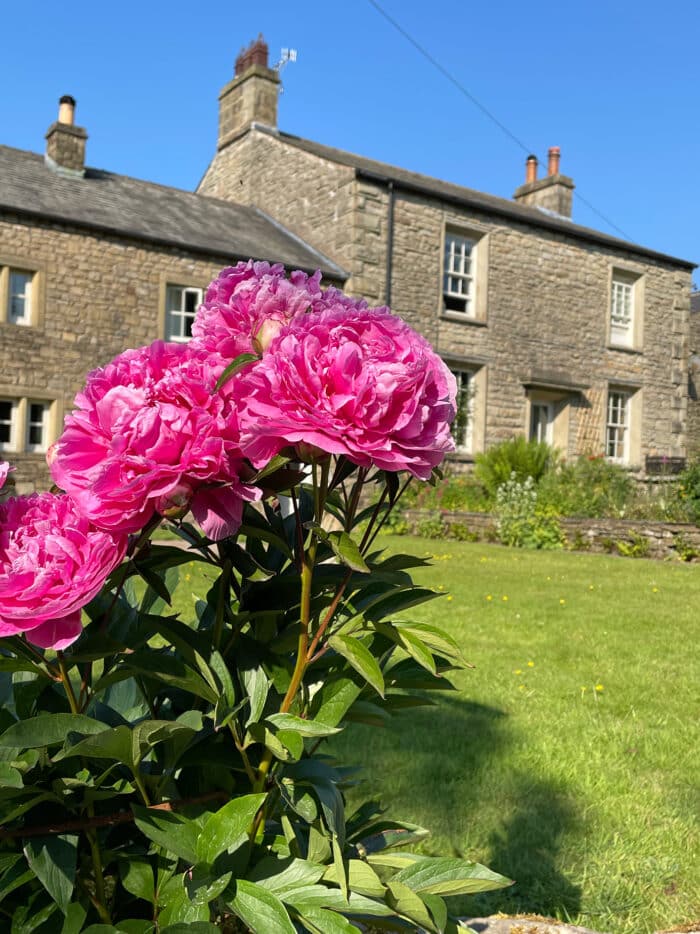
point(614, 84)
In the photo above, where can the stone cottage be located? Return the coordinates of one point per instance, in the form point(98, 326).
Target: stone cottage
point(553, 330)
point(92, 263)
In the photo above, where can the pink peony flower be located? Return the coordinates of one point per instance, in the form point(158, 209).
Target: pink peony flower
point(4, 470)
point(349, 380)
point(247, 305)
point(52, 563)
point(148, 434)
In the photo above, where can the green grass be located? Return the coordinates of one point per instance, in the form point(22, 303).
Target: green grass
point(568, 758)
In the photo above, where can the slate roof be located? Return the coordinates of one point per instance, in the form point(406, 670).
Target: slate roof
point(466, 197)
point(117, 204)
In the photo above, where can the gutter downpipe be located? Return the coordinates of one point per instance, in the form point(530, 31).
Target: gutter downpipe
point(389, 241)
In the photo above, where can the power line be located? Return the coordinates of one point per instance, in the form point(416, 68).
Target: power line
point(477, 103)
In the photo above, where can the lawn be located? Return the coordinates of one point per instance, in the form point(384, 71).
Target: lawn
point(567, 759)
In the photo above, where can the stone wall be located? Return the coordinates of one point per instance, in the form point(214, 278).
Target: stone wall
point(94, 296)
point(664, 540)
point(312, 197)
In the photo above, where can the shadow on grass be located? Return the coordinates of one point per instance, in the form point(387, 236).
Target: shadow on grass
point(526, 849)
point(447, 768)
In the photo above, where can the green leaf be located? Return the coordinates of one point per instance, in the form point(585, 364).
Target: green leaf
point(347, 550)
point(228, 827)
point(53, 859)
point(300, 800)
point(391, 833)
point(287, 721)
point(14, 878)
point(135, 926)
point(438, 641)
point(137, 878)
point(406, 903)
point(262, 911)
point(284, 875)
point(326, 922)
point(360, 658)
point(9, 777)
point(438, 910)
point(334, 699)
point(234, 366)
point(203, 886)
point(278, 461)
point(166, 668)
point(417, 650)
point(180, 909)
point(444, 875)
point(321, 896)
point(194, 927)
point(361, 878)
point(256, 686)
point(152, 732)
point(110, 744)
point(47, 730)
point(172, 831)
point(75, 918)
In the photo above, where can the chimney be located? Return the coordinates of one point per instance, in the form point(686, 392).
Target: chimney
point(252, 95)
point(65, 142)
point(530, 170)
point(552, 193)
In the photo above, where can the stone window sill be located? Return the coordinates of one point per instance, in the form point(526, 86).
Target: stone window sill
point(463, 319)
point(622, 348)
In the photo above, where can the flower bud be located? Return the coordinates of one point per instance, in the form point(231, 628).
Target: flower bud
point(174, 505)
point(267, 332)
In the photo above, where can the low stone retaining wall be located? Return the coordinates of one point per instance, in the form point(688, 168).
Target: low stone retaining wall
point(632, 537)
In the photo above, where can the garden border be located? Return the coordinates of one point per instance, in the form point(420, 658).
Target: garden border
point(629, 537)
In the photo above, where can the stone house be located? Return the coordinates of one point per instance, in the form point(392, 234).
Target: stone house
point(554, 330)
point(92, 263)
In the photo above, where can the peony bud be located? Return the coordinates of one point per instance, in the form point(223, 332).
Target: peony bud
point(175, 504)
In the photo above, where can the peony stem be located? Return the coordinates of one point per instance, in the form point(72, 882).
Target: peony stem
point(224, 588)
point(65, 678)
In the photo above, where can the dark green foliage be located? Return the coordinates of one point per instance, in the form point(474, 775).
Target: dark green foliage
point(167, 773)
point(515, 456)
point(589, 486)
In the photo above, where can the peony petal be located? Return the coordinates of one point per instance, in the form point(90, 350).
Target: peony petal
point(57, 634)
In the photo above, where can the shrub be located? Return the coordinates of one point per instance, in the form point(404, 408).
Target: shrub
point(520, 522)
point(589, 487)
point(518, 457)
point(454, 491)
point(688, 492)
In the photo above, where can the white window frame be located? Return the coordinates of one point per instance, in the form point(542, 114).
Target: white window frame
point(177, 313)
point(463, 435)
point(25, 296)
point(617, 426)
point(11, 422)
point(43, 424)
point(459, 274)
point(536, 423)
point(622, 310)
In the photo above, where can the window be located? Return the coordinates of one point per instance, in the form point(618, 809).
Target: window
point(617, 427)
point(17, 297)
point(463, 424)
point(542, 421)
point(8, 425)
point(181, 303)
point(26, 425)
point(626, 305)
point(19, 310)
point(459, 274)
point(37, 426)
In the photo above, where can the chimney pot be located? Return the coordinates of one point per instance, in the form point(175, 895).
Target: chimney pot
point(553, 160)
point(530, 169)
point(255, 54)
point(66, 110)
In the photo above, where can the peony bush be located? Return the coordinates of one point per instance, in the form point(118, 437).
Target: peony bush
point(164, 772)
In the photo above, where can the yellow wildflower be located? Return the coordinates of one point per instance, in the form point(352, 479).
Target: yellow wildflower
point(530, 664)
